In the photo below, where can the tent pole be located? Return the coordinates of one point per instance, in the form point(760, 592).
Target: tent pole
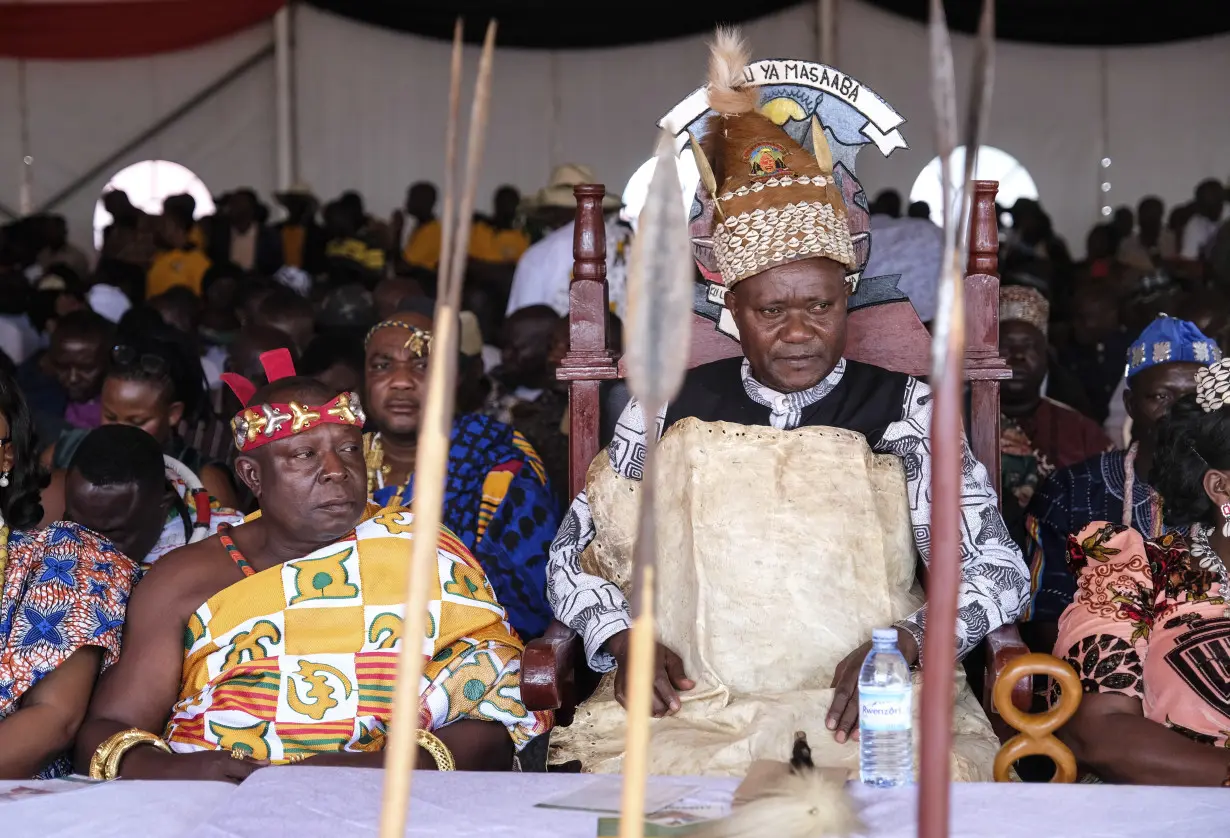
point(826, 23)
point(26, 196)
point(283, 57)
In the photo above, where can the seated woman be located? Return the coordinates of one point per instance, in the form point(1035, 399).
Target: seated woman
point(1149, 627)
point(497, 498)
point(62, 604)
point(152, 383)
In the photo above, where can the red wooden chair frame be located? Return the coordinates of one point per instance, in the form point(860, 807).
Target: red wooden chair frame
point(888, 335)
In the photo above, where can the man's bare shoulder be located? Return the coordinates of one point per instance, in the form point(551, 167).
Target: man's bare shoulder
point(183, 579)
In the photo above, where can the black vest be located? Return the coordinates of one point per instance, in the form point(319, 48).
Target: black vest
point(867, 399)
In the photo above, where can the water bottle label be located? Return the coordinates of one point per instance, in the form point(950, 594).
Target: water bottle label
point(884, 708)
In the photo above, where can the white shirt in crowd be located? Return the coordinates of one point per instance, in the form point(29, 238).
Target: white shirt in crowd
point(1198, 234)
point(544, 271)
point(18, 337)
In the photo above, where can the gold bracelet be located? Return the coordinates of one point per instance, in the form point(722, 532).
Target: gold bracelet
point(102, 753)
point(431, 743)
point(105, 763)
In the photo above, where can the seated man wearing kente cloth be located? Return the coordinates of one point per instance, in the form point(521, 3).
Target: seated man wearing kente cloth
point(277, 641)
point(794, 488)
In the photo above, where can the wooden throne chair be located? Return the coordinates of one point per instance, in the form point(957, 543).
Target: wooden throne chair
point(554, 672)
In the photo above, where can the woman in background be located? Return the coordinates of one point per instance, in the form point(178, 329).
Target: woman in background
point(62, 604)
point(153, 383)
point(1150, 624)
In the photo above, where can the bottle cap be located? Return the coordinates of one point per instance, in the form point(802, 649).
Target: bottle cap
point(888, 635)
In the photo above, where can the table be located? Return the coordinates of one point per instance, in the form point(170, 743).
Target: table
point(304, 801)
point(139, 809)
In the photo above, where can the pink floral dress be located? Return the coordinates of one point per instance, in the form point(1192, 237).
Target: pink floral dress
point(1149, 621)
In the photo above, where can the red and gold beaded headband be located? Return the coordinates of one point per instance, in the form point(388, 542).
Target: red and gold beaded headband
point(260, 424)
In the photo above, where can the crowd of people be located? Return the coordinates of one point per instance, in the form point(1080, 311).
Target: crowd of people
point(208, 441)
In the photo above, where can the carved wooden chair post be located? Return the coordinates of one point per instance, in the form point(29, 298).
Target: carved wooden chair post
point(984, 369)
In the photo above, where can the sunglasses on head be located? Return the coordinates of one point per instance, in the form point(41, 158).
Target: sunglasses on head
point(125, 357)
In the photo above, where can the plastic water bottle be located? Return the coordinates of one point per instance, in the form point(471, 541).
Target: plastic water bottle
point(886, 743)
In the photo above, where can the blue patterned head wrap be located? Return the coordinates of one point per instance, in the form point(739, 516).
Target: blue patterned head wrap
point(1169, 340)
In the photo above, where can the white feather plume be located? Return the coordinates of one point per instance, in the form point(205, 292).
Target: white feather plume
point(729, 92)
point(804, 805)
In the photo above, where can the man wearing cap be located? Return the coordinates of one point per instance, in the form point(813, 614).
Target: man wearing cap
point(1037, 434)
point(1160, 370)
point(277, 641)
point(794, 489)
point(544, 271)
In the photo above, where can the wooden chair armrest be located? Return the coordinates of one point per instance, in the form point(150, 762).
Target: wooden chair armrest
point(548, 671)
point(1004, 645)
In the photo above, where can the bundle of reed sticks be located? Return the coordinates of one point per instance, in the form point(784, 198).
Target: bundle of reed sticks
point(432, 458)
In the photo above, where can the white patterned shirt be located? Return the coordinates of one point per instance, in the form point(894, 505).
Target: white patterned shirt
point(994, 581)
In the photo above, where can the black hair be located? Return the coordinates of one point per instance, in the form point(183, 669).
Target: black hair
point(335, 348)
point(219, 271)
point(182, 207)
point(180, 298)
point(180, 371)
point(1190, 442)
point(1208, 184)
point(87, 324)
point(614, 332)
point(425, 306)
point(138, 320)
point(19, 501)
point(304, 388)
point(15, 293)
point(281, 301)
point(538, 311)
point(120, 455)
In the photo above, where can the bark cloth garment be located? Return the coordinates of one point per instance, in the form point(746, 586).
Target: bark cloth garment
point(779, 552)
point(892, 411)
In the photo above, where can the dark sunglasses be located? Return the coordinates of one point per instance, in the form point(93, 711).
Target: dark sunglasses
point(126, 357)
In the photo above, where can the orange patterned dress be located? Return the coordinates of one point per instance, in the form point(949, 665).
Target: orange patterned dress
point(1150, 621)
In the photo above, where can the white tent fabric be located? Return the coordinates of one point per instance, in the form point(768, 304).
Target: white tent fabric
point(369, 110)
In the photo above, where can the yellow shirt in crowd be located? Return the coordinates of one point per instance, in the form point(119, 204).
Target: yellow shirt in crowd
point(176, 267)
point(491, 244)
point(423, 246)
point(293, 237)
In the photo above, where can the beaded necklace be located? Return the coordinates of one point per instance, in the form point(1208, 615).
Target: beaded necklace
point(378, 470)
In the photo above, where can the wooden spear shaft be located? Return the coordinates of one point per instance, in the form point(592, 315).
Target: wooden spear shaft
point(641, 656)
point(947, 437)
point(659, 328)
point(432, 461)
point(944, 579)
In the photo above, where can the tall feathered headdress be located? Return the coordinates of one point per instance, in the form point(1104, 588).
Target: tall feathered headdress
point(775, 201)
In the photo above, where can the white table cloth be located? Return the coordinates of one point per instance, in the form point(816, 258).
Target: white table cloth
point(112, 810)
point(345, 803)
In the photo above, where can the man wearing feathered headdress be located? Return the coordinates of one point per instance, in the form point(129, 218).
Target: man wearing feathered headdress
point(796, 487)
